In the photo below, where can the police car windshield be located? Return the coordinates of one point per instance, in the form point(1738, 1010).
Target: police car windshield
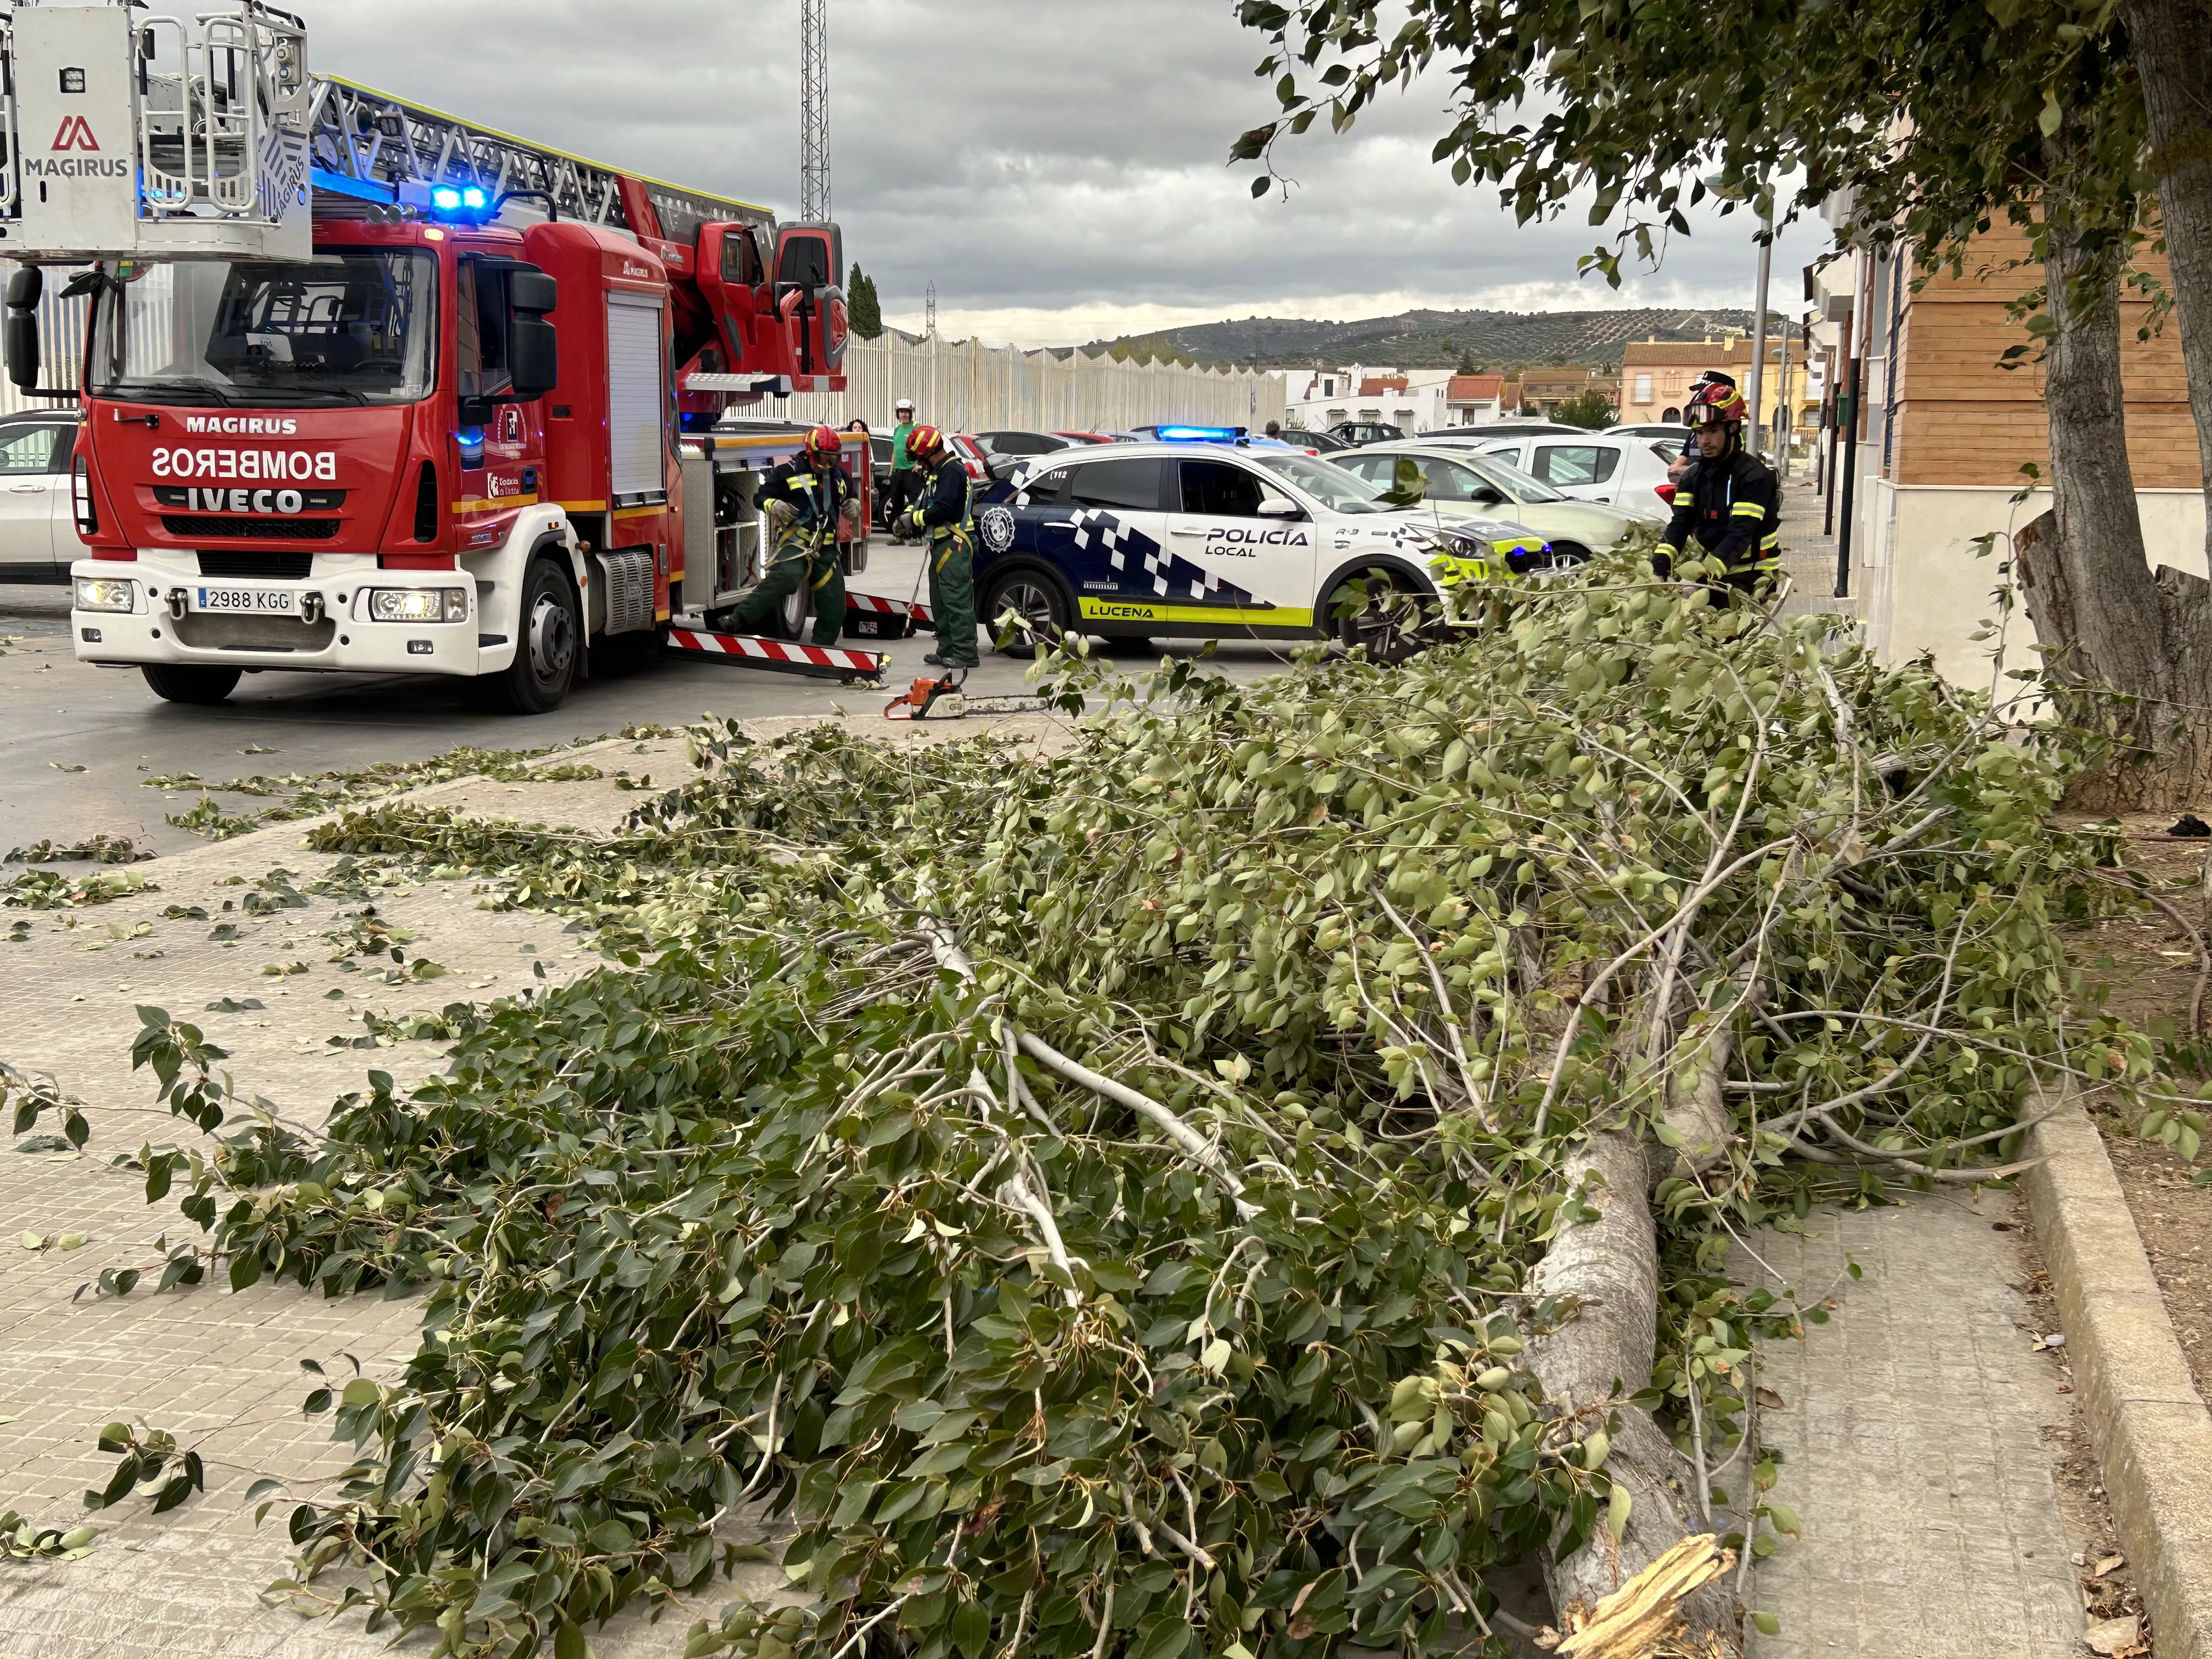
point(1329, 484)
point(358, 327)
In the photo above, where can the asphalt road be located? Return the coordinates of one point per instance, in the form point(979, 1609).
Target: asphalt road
point(56, 713)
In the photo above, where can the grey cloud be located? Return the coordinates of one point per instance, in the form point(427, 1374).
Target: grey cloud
point(1033, 155)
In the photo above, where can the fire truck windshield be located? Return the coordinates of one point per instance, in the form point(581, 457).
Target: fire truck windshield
point(358, 327)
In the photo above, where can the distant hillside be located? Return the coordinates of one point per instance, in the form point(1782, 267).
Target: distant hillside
point(1433, 339)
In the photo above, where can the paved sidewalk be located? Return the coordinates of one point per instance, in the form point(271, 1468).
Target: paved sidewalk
point(220, 1370)
point(1912, 1444)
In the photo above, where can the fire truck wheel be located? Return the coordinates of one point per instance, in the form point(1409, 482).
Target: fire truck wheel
point(204, 686)
point(545, 657)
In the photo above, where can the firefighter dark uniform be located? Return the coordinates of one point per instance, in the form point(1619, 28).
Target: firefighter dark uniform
point(943, 514)
point(1726, 507)
point(806, 501)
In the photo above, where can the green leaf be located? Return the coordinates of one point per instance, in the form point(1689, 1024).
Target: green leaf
point(1767, 1623)
point(971, 1630)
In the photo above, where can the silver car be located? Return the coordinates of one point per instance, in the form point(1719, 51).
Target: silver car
point(38, 514)
point(1463, 482)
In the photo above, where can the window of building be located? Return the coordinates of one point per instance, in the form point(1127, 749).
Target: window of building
point(1644, 388)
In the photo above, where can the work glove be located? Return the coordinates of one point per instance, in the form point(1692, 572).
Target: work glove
point(916, 522)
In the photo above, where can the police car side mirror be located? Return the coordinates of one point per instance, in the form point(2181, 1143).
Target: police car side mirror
point(1276, 507)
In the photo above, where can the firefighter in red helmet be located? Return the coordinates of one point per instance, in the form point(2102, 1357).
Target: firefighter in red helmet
point(1728, 506)
point(943, 516)
point(810, 508)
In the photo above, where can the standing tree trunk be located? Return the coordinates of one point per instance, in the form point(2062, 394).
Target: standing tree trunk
point(2126, 654)
point(2171, 42)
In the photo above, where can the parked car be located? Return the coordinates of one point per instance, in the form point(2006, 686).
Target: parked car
point(1629, 473)
point(971, 454)
point(38, 510)
point(999, 444)
point(1214, 540)
point(1486, 431)
point(1089, 437)
point(1328, 442)
point(1357, 435)
point(1461, 484)
point(1667, 434)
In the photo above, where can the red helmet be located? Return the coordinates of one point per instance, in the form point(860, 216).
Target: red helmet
point(924, 441)
point(822, 442)
point(1716, 403)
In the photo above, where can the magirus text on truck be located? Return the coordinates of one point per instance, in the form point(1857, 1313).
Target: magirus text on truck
point(367, 387)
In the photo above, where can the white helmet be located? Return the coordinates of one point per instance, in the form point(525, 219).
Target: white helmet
point(906, 404)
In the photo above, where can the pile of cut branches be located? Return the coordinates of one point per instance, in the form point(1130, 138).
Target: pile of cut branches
point(1221, 1188)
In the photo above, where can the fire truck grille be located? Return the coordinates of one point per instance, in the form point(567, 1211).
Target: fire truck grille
point(275, 530)
point(249, 563)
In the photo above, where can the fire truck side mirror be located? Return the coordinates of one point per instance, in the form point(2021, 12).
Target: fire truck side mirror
point(533, 356)
point(20, 333)
point(533, 346)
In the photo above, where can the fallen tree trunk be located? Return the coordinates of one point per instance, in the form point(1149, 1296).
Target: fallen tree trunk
point(1610, 1265)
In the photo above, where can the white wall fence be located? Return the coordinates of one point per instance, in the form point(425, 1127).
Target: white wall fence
point(967, 386)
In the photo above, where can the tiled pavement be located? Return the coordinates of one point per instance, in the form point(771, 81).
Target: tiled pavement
point(220, 1370)
point(1912, 1444)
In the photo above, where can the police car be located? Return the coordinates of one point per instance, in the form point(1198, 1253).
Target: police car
point(1201, 534)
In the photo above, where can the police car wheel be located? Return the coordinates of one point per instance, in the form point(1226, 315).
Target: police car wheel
point(1042, 614)
point(1566, 556)
point(1392, 626)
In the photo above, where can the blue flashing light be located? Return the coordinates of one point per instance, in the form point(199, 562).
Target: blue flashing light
point(445, 198)
point(471, 440)
point(1200, 434)
point(472, 198)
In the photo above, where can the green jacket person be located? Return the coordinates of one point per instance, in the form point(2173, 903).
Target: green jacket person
point(942, 515)
point(810, 503)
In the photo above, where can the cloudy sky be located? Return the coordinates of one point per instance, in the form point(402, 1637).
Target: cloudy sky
point(1055, 166)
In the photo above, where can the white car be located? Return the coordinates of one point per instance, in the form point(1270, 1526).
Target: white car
point(38, 516)
point(1624, 472)
point(1458, 482)
point(1666, 433)
point(1209, 539)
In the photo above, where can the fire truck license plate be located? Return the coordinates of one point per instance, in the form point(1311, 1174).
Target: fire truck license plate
point(263, 600)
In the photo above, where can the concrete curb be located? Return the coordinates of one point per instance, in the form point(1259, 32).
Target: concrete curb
point(2132, 1385)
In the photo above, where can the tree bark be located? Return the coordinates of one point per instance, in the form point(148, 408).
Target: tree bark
point(1590, 1363)
point(2127, 652)
point(2171, 42)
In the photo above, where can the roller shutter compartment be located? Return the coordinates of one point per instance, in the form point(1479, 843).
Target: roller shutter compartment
point(637, 410)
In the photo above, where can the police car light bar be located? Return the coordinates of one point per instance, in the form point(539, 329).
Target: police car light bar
point(1200, 434)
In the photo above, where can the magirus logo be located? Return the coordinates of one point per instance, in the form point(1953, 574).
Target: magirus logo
point(266, 426)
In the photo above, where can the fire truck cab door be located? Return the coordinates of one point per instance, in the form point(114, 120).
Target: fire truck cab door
point(731, 277)
point(810, 264)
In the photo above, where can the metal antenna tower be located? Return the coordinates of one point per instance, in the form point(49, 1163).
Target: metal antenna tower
point(814, 109)
point(929, 311)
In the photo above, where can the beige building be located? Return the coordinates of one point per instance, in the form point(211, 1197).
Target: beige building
point(1656, 375)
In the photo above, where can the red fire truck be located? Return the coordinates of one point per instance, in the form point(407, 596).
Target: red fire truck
point(367, 387)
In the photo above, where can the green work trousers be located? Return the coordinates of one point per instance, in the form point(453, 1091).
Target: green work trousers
point(952, 595)
point(793, 564)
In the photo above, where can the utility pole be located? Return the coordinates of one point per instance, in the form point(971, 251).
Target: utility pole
point(814, 113)
point(1758, 321)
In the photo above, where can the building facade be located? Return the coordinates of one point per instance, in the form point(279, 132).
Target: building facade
point(1949, 452)
point(1412, 399)
point(1656, 375)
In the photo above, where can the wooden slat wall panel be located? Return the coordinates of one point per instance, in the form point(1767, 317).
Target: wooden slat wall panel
point(1963, 420)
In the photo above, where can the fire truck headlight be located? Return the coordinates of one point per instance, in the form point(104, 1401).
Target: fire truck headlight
point(418, 605)
point(106, 593)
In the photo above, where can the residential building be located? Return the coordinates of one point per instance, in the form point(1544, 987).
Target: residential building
point(1473, 399)
point(1543, 390)
point(1938, 460)
point(1656, 375)
point(1412, 400)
